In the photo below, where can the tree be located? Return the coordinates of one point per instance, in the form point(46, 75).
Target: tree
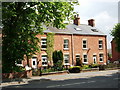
point(22, 21)
point(57, 59)
point(60, 55)
point(50, 46)
point(116, 34)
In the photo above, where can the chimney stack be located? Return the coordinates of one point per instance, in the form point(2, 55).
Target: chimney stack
point(91, 22)
point(77, 20)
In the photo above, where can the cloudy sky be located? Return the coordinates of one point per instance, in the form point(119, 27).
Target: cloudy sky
point(105, 13)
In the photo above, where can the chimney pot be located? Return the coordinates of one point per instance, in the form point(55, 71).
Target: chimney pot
point(77, 20)
point(91, 22)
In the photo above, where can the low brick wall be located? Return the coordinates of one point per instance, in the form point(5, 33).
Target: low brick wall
point(25, 74)
point(55, 73)
point(90, 70)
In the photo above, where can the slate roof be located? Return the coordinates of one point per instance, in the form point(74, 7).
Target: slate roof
point(81, 29)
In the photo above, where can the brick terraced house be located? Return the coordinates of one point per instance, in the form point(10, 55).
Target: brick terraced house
point(77, 41)
point(115, 53)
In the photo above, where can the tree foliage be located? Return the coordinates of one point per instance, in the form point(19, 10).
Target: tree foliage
point(22, 21)
point(57, 55)
point(50, 46)
point(58, 59)
point(116, 34)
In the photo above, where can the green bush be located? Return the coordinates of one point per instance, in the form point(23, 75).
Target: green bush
point(112, 65)
point(18, 69)
point(58, 60)
point(102, 67)
point(94, 65)
point(36, 72)
point(75, 69)
point(85, 67)
point(47, 70)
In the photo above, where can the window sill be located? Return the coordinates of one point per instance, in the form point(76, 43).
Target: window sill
point(101, 61)
point(44, 65)
point(66, 64)
point(19, 65)
point(66, 49)
point(85, 48)
point(85, 62)
point(100, 48)
point(43, 49)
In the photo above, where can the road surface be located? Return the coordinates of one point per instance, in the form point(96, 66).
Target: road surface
point(96, 79)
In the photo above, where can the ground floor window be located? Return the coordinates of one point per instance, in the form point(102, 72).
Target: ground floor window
point(77, 60)
point(66, 59)
point(94, 59)
point(34, 62)
point(44, 60)
point(101, 57)
point(85, 60)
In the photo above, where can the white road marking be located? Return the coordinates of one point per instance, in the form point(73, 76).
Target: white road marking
point(91, 81)
point(69, 84)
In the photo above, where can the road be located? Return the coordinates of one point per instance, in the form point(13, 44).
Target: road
point(96, 79)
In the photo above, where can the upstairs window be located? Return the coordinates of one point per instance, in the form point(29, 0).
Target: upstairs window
point(43, 43)
point(66, 44)
point(19, 63)
point(100, 44)
point(84, 44)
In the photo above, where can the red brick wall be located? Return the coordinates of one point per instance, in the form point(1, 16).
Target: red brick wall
point(115, 54)
point(25, 74)
point(92, 43)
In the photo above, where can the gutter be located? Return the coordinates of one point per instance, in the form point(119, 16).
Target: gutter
point(72, 49)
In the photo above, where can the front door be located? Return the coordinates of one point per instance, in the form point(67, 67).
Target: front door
point(94, 59)
point(34, 62)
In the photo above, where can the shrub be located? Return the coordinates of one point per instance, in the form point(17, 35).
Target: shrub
point(18, 69)
point(75, 69)
point(35, 72)
point(102, 67)
point(85, 67)
point(94, 65)
point(58, 59)
point(111, 65)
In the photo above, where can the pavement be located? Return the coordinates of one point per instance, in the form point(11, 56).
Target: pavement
point(59, 78)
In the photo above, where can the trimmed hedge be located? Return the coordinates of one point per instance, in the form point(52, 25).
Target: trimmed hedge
point(75, 69)
point(102, 67)
point(94, 65)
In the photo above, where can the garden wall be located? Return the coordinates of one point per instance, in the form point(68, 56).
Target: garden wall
point(25, 74)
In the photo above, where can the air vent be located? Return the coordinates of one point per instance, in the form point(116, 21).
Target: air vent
point(78, 29)
point(94, 30)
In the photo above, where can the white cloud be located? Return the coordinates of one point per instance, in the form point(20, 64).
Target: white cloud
point(105, 23)
point(103, 11)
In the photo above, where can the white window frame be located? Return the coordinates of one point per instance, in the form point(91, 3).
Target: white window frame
point(84, 44)
point(67, 44)
point(68, 59)
point(101, 57)
point(96, 58)
point(100, 44)
point(43, 44)
point(46, 60)
point(17, 64)
point(34, 59)
point(77, 55)
point(86, 58)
